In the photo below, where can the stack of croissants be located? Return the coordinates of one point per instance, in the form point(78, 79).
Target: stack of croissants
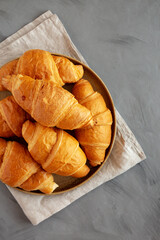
point(39, 110)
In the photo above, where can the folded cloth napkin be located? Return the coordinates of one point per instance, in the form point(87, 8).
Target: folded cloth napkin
point(48, 33)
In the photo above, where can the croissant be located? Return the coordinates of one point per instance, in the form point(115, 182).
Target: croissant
point(95, 140)
point(48, 104)
point(55, 150)
point(12, 116)
point(68, 72)
point(40, 64)
point(18, 169)
point(7, 69)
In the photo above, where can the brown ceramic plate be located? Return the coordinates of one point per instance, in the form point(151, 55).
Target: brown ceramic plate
point(69, 183)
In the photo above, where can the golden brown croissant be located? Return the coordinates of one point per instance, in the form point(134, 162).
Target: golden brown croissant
point(18, 169)
point(55, 150)
point(68, 72)
point(95, 140)
point(7, 69)
point(12, 116)
point(38, 64)
point(47, 103)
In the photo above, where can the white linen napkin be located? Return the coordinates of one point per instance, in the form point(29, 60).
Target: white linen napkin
point(48, 33)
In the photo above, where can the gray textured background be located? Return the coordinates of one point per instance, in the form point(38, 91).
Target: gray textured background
point(120, 39)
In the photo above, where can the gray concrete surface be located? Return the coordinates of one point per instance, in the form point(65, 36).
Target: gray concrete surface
point(120, 39)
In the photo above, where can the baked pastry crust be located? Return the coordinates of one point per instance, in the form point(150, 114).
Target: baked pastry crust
point(18, 169)
point(47, 103)
point(95, 140)
point(55, 150)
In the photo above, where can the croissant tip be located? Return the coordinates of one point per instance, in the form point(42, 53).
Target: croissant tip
point(24, 126)
point(28, 130)
point(95, 164)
